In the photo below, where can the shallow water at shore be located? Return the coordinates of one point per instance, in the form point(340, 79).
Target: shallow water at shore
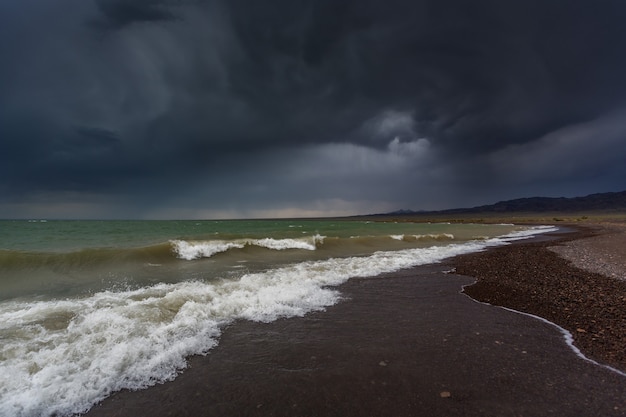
point(91, 320)
point(405, 344)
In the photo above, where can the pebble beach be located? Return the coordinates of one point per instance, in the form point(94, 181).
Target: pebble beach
point(577, 282)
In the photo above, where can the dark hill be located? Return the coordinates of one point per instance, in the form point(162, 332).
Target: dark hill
point(594, 202)
point(602, 202)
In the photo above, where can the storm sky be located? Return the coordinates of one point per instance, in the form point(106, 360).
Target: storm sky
point(281, 108)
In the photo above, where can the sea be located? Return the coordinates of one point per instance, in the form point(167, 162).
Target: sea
point(88, 308)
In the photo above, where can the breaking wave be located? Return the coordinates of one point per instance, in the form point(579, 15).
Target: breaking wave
point(427, 237)
point(190, 250)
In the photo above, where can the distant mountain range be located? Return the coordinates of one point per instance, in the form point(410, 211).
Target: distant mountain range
point(602, 202)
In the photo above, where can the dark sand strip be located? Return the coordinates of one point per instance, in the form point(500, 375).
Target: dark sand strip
point(403, 344)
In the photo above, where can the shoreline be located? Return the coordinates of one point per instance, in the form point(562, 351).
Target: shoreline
point(531, 277)
point(406, 344)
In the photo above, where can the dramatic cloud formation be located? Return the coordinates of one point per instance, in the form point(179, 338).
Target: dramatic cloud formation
point(241, 108)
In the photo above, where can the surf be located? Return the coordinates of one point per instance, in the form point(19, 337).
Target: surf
point(61, 356)
point(195, 249)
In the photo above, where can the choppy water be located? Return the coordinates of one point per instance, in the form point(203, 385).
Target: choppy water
point(91, 307)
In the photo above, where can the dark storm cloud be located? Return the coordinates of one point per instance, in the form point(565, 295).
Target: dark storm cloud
point(475, 75)
point(119, 13)
point(262, 101)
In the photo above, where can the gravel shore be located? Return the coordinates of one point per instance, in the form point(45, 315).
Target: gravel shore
point(603, 251)
point(576, 282)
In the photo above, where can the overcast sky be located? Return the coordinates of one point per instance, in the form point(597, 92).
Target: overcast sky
point(279, 108)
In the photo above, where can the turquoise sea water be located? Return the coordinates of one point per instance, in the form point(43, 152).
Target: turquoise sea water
point(91, 307)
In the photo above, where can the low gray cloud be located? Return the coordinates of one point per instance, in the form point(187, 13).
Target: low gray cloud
point(242, 108)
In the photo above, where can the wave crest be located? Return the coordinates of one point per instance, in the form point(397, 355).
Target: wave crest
point(430, 236)
point(190, 250)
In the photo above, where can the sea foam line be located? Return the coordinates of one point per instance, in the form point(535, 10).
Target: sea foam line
point(568, 338)
point(430, 236)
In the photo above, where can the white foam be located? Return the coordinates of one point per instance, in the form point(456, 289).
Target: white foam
point(528, 233)
point(440, 236)
point(309, 243)
point(426, 237)
point(204, 249)
point(190, 250)
point(430, 236)
point(61, 357)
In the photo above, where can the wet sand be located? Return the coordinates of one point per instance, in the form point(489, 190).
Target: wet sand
point(407, 344)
